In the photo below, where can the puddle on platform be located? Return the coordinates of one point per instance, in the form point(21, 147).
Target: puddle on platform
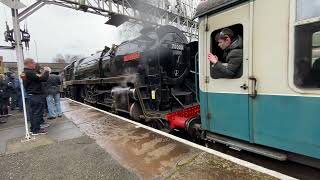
point(147, 153)
point(68, 105)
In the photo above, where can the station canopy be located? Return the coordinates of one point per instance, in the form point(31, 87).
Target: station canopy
point(212, 6)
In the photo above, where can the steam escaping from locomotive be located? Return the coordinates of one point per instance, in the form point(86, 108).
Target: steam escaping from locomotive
point(146, 77)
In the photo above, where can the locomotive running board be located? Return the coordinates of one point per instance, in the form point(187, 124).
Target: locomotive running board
point(238, 145)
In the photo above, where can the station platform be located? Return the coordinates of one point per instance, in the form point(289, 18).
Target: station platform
point(88, 143)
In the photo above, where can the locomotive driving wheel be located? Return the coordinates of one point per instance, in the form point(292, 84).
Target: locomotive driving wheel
point(135, 111)
point(89, 94)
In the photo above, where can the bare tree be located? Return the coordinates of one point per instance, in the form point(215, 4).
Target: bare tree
point(59, 59)
point(67, 58)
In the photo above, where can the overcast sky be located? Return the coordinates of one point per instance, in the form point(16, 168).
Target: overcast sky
point(58, 30)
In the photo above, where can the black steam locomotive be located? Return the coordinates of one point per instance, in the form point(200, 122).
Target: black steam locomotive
point(149, 77)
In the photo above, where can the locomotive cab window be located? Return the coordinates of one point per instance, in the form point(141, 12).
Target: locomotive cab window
point(307, 47)
point(226, 57)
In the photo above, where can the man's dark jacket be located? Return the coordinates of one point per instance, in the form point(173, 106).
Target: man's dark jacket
point(32, 81)
point(52, 85)
point(4, 89)
point(233, 56)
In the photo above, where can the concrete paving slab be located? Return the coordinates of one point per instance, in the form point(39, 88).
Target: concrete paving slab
point(64, 131)
point(61, 129)
point(8, 134)
point(16, 120)
point(70, 106)
point(83, 115)
point(16, 145)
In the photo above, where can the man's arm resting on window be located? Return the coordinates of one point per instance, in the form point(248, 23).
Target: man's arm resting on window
point(230, 69)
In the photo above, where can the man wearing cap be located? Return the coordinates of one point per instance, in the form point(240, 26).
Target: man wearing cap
point(232, 56)
point(32, 82)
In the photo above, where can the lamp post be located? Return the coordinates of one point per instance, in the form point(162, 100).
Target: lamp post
point(35, 44)
point(15, 5)
point(19, 51)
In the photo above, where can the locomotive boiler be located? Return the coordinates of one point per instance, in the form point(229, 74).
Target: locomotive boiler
point(148, 77)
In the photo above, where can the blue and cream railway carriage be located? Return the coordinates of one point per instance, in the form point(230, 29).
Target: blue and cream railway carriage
point(274, 107)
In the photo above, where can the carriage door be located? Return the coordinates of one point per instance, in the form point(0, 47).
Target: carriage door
point(228, 98)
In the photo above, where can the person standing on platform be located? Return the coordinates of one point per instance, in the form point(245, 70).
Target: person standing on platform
point(32, 81)
point(10, 77)
point(44, 109)
point(19, 94)
point(53, 96)
point(3, 106)
point(4, 97)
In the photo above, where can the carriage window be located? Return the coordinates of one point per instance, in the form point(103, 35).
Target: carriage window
point(230, 65)
point(307, 56)
point(307, 9)
point(315, 47)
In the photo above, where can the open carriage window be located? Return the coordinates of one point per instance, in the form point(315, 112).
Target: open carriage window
point(307, 56)
point(230, 54)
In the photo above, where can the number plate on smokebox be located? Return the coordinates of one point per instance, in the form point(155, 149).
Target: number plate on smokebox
point(177, 47)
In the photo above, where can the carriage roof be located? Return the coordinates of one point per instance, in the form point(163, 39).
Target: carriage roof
point(213, 6)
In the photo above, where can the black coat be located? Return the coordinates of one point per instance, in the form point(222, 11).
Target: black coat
point(52, 85)
point(32, 81)
point(233, 57)
point(4, 89)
